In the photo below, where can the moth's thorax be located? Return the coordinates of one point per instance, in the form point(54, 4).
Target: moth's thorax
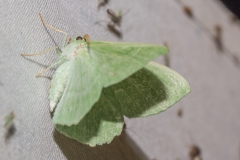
point(74, 49)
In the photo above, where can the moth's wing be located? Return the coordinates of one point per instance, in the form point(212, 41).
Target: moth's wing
point(117, 61)
point(100, 125)
point(105, 64)
point(58, 84)
point(82, 91)
point(151, 90)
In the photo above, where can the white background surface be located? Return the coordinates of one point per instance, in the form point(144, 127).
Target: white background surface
point(210, 112)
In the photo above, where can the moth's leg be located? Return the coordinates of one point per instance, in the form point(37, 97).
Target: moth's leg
point(67, 40)
point(58, 51)
point(45, 70)
point(40, 53)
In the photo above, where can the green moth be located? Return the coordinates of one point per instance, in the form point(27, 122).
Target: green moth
point(97, 83)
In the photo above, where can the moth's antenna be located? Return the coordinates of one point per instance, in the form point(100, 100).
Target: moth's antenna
point(40, 53)
point(87, 37)
point(50, 26)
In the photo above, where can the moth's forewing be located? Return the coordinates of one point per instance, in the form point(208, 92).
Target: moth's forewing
point(117, 61)
point(58, 84)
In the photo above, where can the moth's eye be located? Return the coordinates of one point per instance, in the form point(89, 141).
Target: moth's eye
point(79, 38)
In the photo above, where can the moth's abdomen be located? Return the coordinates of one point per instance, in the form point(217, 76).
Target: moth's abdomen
point(58, 84)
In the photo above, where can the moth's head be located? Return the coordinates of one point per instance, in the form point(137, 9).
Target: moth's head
point(86, 39)
point(79, 38)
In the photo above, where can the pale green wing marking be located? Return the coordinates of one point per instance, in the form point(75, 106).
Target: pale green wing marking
point(58, 84)
point(153, 89)
point(117, 61)
point(100, 125)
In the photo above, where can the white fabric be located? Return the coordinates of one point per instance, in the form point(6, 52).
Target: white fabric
point(210, 112)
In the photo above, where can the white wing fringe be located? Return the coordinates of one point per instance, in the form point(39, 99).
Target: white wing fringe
point(52, 106)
